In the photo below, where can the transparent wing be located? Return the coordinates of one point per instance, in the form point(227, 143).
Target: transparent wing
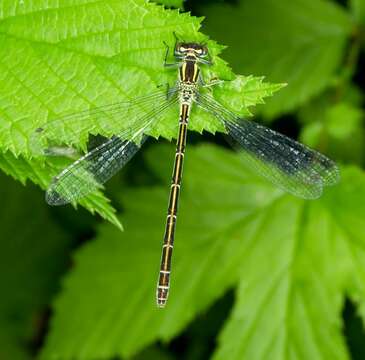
point(74, 129)
point(288, 164)
point(92, 170)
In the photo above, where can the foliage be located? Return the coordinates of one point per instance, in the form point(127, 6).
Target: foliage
point(66, 64)
point(221, 239)
point(33, 253)
point(172, 3)
point(298, 42)
point(290, 263)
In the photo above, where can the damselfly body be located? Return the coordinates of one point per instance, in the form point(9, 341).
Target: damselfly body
point(288, 164)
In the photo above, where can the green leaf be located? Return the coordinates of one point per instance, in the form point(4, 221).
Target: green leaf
point(22, 169)
point(244, 92)
point(152, 353)
point(339, 128)
point(33, 250)
point(292, 262)
point(238, 95)
point(335, 128)
point(84, 55)
point(80, 54)
point(171, 3)
point(300, 42)
point(358, 9)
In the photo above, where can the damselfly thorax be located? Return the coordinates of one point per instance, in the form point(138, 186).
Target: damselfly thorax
point(189, 74)
point(288, 164)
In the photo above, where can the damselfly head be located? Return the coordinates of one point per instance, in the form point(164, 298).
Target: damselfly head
point(183, 50)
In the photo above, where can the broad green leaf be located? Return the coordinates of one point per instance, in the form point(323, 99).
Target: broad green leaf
point(300, 43)
point(253, 90)
point(80, 54)
point(84, 55)
point(33, 252)
point(292, 261)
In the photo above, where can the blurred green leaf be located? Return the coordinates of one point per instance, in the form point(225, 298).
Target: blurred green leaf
point(344, 120)
point(293, 262)
point(336, 128)
point(299, 42)
point(153, 353)
point(32, 256)
point(358, 9)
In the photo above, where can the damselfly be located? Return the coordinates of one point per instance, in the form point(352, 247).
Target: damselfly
point(290, 165)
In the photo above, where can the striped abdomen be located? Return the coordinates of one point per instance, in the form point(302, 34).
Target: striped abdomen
point(168, 243)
